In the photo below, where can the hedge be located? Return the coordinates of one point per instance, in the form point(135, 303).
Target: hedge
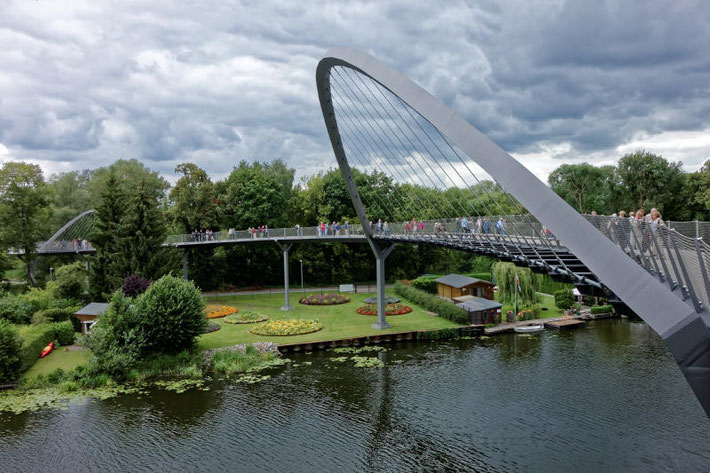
point(564, 299)
point(9, 353)
point(601, 309)
point(33, 341)
point(64, 332)
point(432, 303)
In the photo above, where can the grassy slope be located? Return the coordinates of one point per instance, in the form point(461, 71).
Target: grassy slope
point(545, 301)
point(59, 358)
point(341, 321)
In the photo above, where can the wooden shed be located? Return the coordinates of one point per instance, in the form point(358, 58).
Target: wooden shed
point(457, 285)
point(88, 314)
point(481, 311)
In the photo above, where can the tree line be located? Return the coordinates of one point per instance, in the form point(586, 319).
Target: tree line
point(639, 180)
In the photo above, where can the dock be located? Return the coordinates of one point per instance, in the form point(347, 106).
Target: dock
point(565, 324)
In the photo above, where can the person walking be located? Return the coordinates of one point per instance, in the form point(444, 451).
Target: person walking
point(479, 225)
point(386, 228)
point(458, 224)
point(421, 226)
point(337, 228)
point(346, 227)
point(379, 227)
point(464, 225)
point(501, 226)
point(407, 228)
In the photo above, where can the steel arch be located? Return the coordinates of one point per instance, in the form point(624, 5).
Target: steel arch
point(59, 232)
point(684, 330)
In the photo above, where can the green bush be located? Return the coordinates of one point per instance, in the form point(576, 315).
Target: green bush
point(70, 281)
point(545, 284)
point(601, 309)
point(10, 345)
point(426, 283)
point(15, 309)
point(64, 332)
point(39, 299)
point(172, 312)
point(484, 276)
point(564, 299)
point(432, 303)
point(33, 341)
point(56, 314)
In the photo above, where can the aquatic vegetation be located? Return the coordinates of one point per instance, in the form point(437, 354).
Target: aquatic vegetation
point(286, 327)
point(180, 385)
point(364, 349)
point(215, 311)
point(247, 317)
point(367, 362)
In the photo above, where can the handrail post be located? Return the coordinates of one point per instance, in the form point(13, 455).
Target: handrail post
point(691, 290)
point(703, 269)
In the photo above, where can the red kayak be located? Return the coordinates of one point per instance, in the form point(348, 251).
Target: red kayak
point(47, 350)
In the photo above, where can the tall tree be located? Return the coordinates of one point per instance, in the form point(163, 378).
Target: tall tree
point(106, 271)
point(24, 210)
point(143, 229)
point(583, 186)
point(130, 173)
point(193, 199)
point(71, 196)
point(698, 186)
point(649, 180)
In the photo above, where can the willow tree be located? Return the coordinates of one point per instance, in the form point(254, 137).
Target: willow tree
point(504, 274)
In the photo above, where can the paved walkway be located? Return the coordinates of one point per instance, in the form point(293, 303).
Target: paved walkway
point(359, 289)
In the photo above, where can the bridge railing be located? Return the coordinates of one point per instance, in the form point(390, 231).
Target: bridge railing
point(676, 259)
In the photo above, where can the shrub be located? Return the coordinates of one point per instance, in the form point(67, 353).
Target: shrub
point(134, 285)
point(483, 276)
point(432, 303)
point(33, 341)
point(324, 299)
point(10, 345)
point(56, 314)
point(39, 318)
point(564, 299)
point(40, 299)
point(70, 281)
point(172, 314)
point(64, 332)
point(15, 309)
point(426, 283)
point(601, 309)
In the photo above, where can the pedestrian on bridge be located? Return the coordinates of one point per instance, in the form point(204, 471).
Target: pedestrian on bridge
point(336, 228)
point(379, 227)
point(479, 225)
point(501, 226)
point(346, 226)
point(464, 225)
point(458, 224)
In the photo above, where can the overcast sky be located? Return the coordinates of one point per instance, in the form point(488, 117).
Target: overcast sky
point(215, 82)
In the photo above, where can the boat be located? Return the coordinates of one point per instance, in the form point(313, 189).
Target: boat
point(529, 328)
point(47, 350)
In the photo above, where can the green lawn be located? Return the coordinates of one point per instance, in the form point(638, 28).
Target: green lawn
point(59, 358)
point(545, 301)
point(341, 321)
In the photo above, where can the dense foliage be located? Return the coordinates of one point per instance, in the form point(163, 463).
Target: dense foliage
point(564, 299)
point(504, 276)
point(134, 285)
point(432, 303)
point(70, 281)
point(601, 309)
point(165, 319)
point(33, 341)
point(10, 344)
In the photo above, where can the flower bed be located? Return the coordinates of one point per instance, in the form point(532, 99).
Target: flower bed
point(286, 327)
point(388, 300)
point(247, 317)
point(214, 311)
point(390, 309)
point(324, 299)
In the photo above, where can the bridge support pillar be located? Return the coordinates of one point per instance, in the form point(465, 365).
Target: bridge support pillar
point(285, 247)
point(381, 255)
point(184, 265)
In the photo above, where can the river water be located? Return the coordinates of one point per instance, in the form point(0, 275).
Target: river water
point(607, 397)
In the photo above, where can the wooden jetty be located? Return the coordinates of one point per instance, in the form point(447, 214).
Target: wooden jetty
point(564, 324)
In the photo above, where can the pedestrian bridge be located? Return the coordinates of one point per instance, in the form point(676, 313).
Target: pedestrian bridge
point(378, 120)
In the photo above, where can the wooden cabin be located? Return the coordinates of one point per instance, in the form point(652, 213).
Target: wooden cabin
point(88, 314)
point(457, 285)
point(481, 311)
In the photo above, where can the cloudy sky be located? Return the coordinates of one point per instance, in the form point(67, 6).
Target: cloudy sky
point(83, 83)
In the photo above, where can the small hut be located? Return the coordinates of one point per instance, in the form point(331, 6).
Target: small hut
point(88, 314)
point(480, 311)
point(457, 285)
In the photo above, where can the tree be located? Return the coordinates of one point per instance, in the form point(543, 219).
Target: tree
point(143, 232)
point(584, 187)
point(648, 180)
point(256, 194)
point(193, 199)
point(24, 210)
point(698, 187)
point(70, 281)
point(71, 196)
point(130, 174)
point(504, 274)
point(106, 271)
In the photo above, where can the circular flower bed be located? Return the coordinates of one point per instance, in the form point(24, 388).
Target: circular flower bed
point(286, 327)
point(324, 299)
point(390, 309)
point(212, 327)
point(247, 317)
point(214, 311)
point(388, 300)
